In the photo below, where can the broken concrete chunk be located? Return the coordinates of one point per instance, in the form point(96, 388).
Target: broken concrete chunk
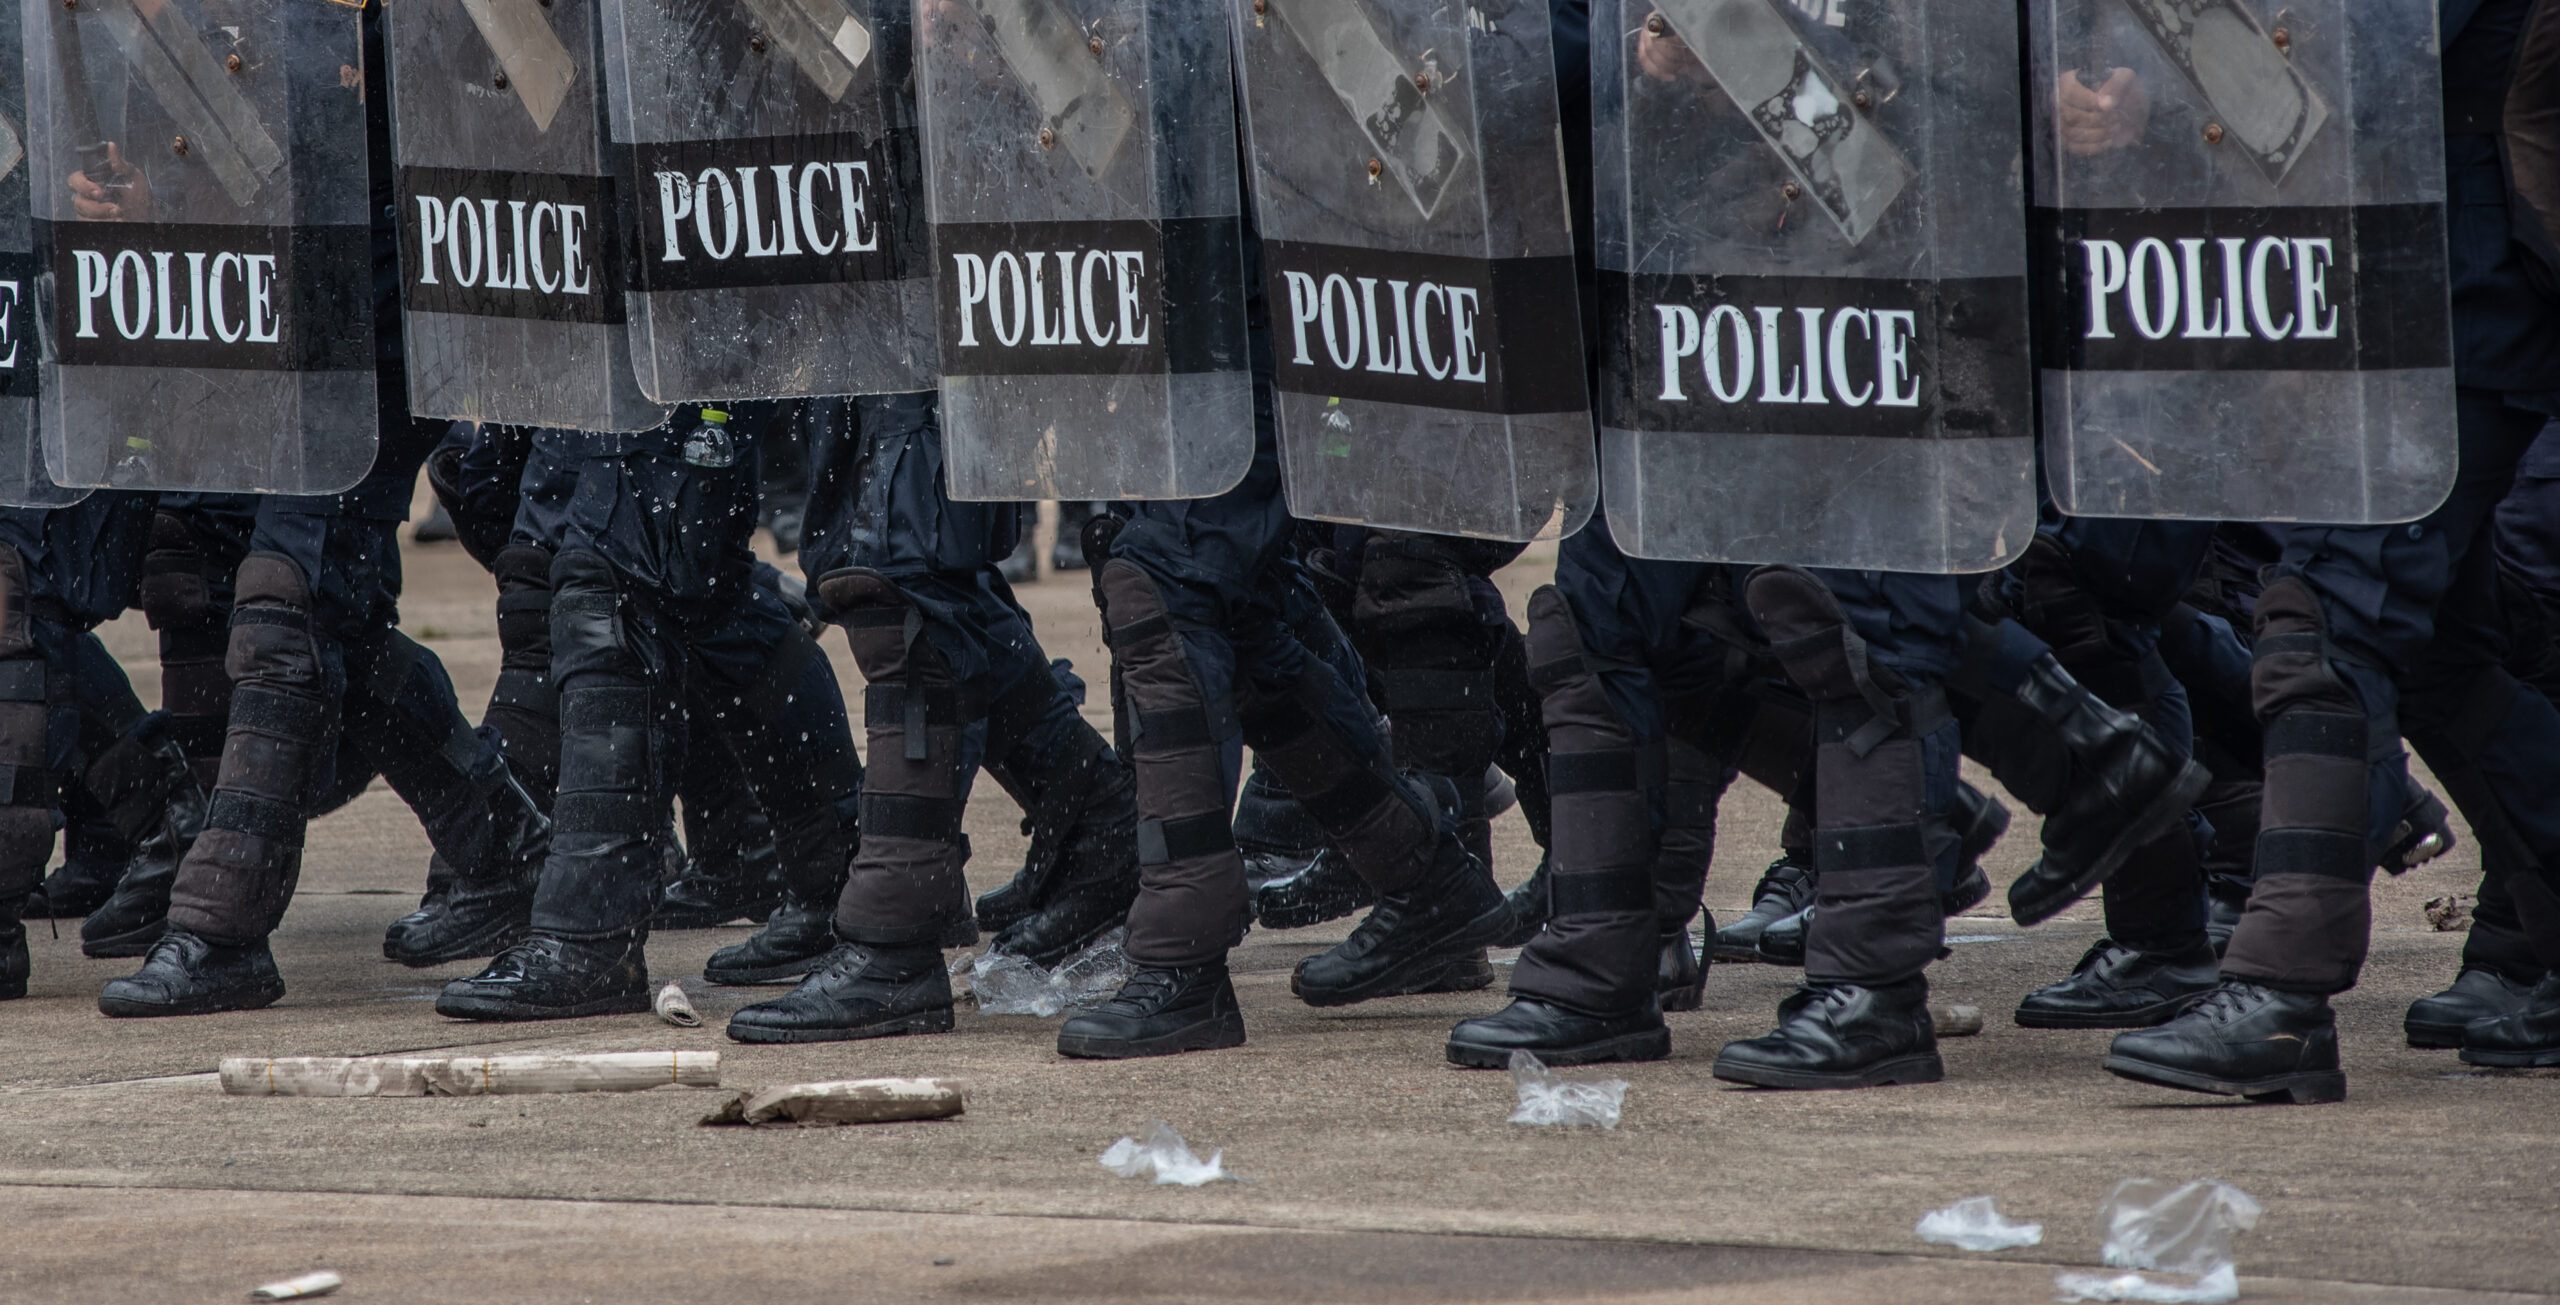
point(844, 1101)
point(466, 1076)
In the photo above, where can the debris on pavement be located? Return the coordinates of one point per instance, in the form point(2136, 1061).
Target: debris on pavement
point(2450, 913)
point(1571, 1102)
point(844, 1101)
point(319, 1283)
point(1975, 1224)
point(1955, 1021)
point(466, 1076)
point(1003, 983)
point(1164, 1157)
point(2147, 1223)
point(672, 1006)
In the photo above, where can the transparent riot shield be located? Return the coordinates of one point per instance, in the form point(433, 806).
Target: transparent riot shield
point(2240, 244)
point(205, 275)
point(1418, 264)
point(1080, 162)
point(777, 207)
point(23, 482)
point(512, 217)
point(1812, 255)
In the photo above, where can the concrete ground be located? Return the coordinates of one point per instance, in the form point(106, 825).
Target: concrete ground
point(1375, 1171)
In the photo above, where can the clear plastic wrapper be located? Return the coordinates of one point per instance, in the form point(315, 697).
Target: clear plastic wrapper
point(1006, 984)
point(1572, 1102)
point(1164, 1157)
point(1975, 1224)
point(2148, 1223)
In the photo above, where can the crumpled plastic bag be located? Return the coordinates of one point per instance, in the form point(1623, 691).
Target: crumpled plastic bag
point(1006, 984)
point(1973, 1224)
point(1164, 1157)
point(1573, 1102)
point(2183, 1228)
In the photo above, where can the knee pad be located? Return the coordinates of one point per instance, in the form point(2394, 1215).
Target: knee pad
point(271, 639)
point(587, 620)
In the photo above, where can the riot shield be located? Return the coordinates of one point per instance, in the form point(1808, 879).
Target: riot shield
point(1080, 165)
point(23, 482)
point(1418, 264)
point(2240, 244)
point(198, 188)
point(1812, 278)
point(512, 217)
point(780, 242)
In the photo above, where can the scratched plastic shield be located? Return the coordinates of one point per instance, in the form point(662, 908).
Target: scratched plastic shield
point(1080, 167)
point(1812, 254)
point(512, 216)
point(778, 207)
point(195, 174)
point(2240, 275)
point(23, 482)
point(1417, 258)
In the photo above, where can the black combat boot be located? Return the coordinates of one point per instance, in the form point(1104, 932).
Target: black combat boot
point(2223, 907)
point(1557, 1036)
point(2128, 789)
point(1682, 974)
point(185, 974)
point(747, 886)
point(1080, 874)
point(2478, 993)
point(1412, 937)
point(857, 992)
point(1532, 905)
point(2526, 1037)
point(548, 977)
point(1841, 1035)
point(486, 911)
point(2119, 987)
point(440, 879)
point(15, 964)
point(132, 919)
point(2241, 1040)
point(1785, 889)
point(797, 939)
point(1159, 1012)
point(81, 884)
point(1324, 888)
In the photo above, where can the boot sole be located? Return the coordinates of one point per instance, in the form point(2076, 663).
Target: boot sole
point(1651, 1044)
point(499, 1010)
point(1399, 979)
point(1923, 1068)
point(2434, 1037)
point(489, 941)
point(937, 1020)
point(120, 946)
point(2539, 1058)
point(256, 999)
point(1208, 1035)
point(784, 972)
point(2139, 1017)
point(2154, 821)
point(2302, 1089)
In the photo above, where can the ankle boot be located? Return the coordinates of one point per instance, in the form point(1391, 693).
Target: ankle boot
point(1785, 888)
point(1159, 1012)
point(2478, 993)
point(2129, 789)
point(2240, 1040)
point(857, 992)
point(2526, 1037)
point(2119, 987)
point(795, 940)
point(185, 974)
point(1841, 1035)
point(1558, 1036)
point(548, 977)
point(1411, 933)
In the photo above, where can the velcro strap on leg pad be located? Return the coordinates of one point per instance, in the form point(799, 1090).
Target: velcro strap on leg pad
point(1615, 770)
point(30, 786)
point(1870, 847)
point(903, 815)
point(894, 705)
point(1617, 892)
point(1424, 689)
point(2317, 733)
point(2327, 852)
point(23, 679)
point(1173, 729)
point(285, 715)
point(1140, 630)
point(258, 817)
point(1161, 842)
point(291, 618)
point(1914, 714)
point(628, 814)
point(604, 708)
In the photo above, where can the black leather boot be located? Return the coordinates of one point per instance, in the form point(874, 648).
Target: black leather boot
point(1159, 1012)
point(2240, 1040)
point(488, 910)
point(2527, 1037)
point(2223, 908)
point(1411, 934)
point(1558, 1036)
point(75, 888)
point(796, 939)
point(440, 879)
point(710, 894)
point(1785, 888)
point(1682, 981)
point(188, 975)
point(15, 964)
point(2128, 789)
point(548, 977)
point(2477, 994)
point(1326, 888)
point(1841, 1035)
point(2120, 987)
point(1532, 904)
point(1080, 874)
point(132, 919)
point(857, 992)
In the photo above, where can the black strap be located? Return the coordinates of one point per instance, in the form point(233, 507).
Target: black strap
point(1547, 677)
point(1869, 847)
point(1144, 628)
point(2316, 733)
point(2303, 642)
point(291, 618)
point(1615, 770)
point(872, 617)
point(605, 708)
point(30, 786)
point(904, 815)
point(1173, 729)
point(1181, 839)
point(628, 814)
point(2334, 853)
point(286, 715)
point(258, 817)
point(1613, 892)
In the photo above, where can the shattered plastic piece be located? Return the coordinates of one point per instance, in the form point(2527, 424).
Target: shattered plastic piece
point(844, 1101)
point(1164, 1157)
point(674, 1009)
point(1573, 1102)
point(2450, 913)
point(1954, 1021)
point(2215, 1288)
point(1974, 1224)
point(320, 1283)
point(1006, 984)
point(465, 1076)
